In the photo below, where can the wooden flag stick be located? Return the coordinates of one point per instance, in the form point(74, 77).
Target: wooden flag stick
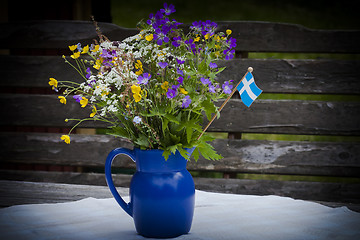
point(250, 69)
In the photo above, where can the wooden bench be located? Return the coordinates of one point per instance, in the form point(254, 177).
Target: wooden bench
point(32, 120)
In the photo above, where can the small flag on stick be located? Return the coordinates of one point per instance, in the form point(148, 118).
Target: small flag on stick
point(248, 89)
point(248, 93)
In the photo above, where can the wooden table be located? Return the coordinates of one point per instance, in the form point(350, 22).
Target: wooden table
point(217, 216)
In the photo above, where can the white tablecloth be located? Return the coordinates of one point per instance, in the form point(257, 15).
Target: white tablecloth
point(217, 216)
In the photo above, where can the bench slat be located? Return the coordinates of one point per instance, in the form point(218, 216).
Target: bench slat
point(251, 36)
point(264, 116)
point(272, 75)
point(249, 156)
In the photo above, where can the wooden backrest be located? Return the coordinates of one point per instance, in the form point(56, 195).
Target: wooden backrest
point(30, 113)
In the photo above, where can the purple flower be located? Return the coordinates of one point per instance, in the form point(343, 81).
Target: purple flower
point(211, 88)
point(77, 98)
point(227, 87)
point(205, 81)
point(229, 54)
point(168, 9)
point(151, 19)
point(212, 65)
point(176, 42)
point(232, 42)
point(180, 80)
point(161, 36)
point(180, 72)
point(88, 71)
point(186, 102)
point(172, 92)
point(180, 62)
point(163, 64)
point(197, 26)
point(191, 45)
point(144, 78)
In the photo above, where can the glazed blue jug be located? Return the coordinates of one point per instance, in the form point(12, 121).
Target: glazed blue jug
point(162, 193)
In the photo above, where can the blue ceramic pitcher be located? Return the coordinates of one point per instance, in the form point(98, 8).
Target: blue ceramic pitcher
point(162, 193)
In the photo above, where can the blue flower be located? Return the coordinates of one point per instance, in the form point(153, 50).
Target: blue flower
point(144, 78)
point(211, 88)
point(180, 61)
point(229, 54)
point(231, 42)
point(227, 88)
point(88, 71)
point(205, 81)
point(186, 102)
point(77, 98)
point(172, 92)
point(176, 42)
point(180, 80)
point(162, 64)
point(168, 9)
point(212, 65)
point(137, 120)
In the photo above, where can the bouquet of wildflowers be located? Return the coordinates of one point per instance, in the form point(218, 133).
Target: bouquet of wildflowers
point(153, 88)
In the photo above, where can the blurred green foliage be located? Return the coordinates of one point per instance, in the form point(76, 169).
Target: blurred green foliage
point(320, 14)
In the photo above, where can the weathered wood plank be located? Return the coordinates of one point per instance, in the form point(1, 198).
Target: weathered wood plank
point(290, 117)
point(263, 37)
point(249, 156)
point(264, 116)
point(272, 75)
point(256, 36)
point(84, 150)
point(15, 193)
point(298, 76)
point(93, 179)
point(319, 191)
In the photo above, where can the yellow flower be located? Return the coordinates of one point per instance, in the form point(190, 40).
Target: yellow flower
point(138, 64)
point(85, 49)
point(96, 48)
point(93, 112)
point(136, 92)
point(228, 32)
point(149, 37)
point(137, 97)
point(97, 64)
point(84, 101)
point(53, 82)
point(197, 39)
point(139, 72)
point(75, 55)
point(65, 138)
point(183, 91)
point(165, 85)
point(73, 47)
point(62, 99)
point(135, 89)
point(207, 36)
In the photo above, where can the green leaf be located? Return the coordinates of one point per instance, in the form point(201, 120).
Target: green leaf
point(142, 141)
point(209, 108)
point(202, 68)
point(171, 118)
point(119, 132)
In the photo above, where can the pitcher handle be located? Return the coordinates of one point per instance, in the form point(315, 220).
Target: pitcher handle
point(126, 206)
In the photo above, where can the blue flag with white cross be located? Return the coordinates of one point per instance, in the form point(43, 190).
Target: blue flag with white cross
point(248, 89)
